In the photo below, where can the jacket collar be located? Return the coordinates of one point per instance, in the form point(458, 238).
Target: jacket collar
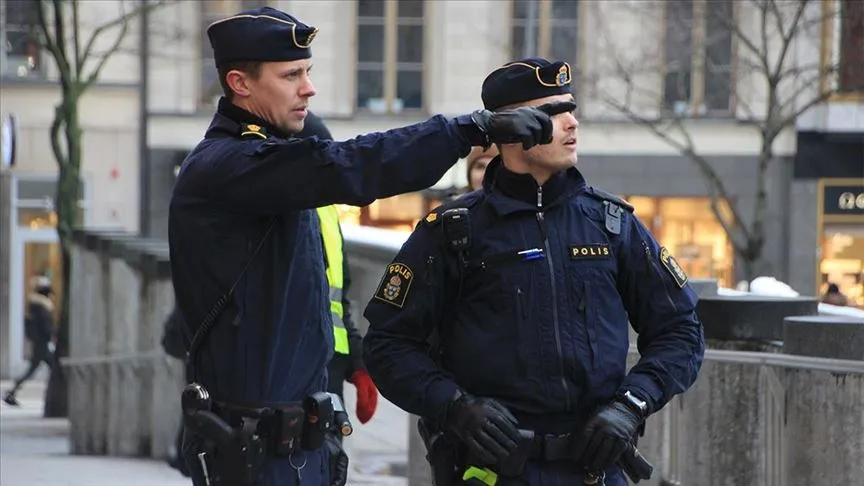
point(509, 192)
point(230, 119)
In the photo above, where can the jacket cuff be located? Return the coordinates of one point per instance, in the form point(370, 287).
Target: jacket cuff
point(438, 398)
point(644, 388)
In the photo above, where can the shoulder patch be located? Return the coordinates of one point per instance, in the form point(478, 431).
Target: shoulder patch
point(673, 267)
point(605, 196)
point(395, 284)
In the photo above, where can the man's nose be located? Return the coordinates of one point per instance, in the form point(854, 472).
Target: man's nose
point(308, 89)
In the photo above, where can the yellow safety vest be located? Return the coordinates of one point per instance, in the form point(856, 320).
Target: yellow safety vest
point(329, 220)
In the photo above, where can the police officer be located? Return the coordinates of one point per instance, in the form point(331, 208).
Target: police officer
point(246, 254)
point(524, 290)
point(347, 363)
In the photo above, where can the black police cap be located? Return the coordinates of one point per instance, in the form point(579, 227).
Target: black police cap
point(262, 34)
point(524, 80)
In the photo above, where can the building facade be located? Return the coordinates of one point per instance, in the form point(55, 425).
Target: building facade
point(385, 63)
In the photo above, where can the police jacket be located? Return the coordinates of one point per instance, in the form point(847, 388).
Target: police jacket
point(535, 312)
point(247, 188)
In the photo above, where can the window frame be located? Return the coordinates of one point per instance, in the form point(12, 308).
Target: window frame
point(829, 52)
point(698, 36)
point(390, 88)
point(544, 36)
point(38, 71)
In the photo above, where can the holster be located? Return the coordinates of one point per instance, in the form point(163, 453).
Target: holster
point(231, 457)
point(441, 454)
point(338, 461)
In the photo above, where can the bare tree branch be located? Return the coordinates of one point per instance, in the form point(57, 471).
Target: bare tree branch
point(55, 43)
point(787, 39)
point(123, 22)
point(59, 117)
point(76, 39)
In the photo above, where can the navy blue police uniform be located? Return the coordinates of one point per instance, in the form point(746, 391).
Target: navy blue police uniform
point(245, 242)
point(530, 306)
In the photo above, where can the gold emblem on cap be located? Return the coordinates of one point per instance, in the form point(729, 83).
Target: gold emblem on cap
point(253, 128)
point(562, 78)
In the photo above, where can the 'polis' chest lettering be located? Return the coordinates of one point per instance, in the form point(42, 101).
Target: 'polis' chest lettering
point(587, 252)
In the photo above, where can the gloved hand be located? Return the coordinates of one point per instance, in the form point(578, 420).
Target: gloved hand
point(484, 425)
point(527, 125)
point(367, 395)
point(606, 436)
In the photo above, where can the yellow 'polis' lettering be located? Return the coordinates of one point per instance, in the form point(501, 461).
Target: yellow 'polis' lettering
point(589, 251)
point(399, 269)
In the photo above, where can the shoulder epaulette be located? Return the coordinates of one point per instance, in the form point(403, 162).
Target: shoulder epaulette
point(606, 197)
point(249, 130)
point(464, 201)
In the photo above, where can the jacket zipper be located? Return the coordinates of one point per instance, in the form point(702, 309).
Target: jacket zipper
point(542, 222)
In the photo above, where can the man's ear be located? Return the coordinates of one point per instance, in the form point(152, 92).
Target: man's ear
point(237, 81)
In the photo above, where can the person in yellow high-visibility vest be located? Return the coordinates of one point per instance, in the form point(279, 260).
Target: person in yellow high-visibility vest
point(347, 363)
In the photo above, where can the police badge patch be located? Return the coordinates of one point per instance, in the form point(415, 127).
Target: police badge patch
point(395, 285)
point(672, 266)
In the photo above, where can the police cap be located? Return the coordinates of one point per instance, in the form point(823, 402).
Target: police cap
point(524, 80)
point(262, 34)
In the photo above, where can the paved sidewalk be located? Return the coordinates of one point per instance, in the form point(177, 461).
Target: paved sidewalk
point(34, 451)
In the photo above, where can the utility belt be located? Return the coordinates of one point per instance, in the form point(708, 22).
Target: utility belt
point(451, 466)
point(240, 438)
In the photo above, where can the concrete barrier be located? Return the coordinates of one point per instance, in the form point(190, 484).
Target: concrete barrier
point(123, 389)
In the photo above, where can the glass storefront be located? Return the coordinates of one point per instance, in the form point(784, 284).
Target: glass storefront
point(841, 230)
point(688, 228)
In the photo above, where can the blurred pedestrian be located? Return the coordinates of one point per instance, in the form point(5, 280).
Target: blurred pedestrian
point(476, 163)
point(174, 345)
point(833, 296)
point(40, 331)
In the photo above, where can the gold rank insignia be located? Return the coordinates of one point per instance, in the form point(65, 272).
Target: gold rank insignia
point(395, 285)
point(673, 267)
point(431, 217)
point(250, 129)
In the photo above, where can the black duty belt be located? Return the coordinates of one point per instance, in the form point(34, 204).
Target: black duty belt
point(551, 448)
point(281, 424)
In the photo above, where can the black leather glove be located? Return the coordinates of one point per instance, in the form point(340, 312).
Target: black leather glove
point(485, 426)
point(527, 125)
point(606, 436)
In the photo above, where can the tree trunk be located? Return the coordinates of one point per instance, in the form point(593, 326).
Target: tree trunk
point(56, 395)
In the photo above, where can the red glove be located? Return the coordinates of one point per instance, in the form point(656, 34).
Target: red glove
point(367, 395)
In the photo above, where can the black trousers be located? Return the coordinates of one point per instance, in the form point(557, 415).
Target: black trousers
point(41, 354)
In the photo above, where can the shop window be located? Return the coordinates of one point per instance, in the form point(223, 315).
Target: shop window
point(400, 212)
point(688, 228)
point(843, 261)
